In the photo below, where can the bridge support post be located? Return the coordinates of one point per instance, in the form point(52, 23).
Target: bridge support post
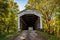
point(40, 22)
point(18, 23)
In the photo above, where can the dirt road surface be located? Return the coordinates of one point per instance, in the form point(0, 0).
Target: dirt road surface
point(29, 35)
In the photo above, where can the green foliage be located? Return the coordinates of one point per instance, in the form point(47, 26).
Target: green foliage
point(48, 8)
point(8, 16)
point(57, 23)
point(9, 36)
point(50, 37)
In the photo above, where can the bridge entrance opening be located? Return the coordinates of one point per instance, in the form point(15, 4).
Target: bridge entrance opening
point(29, 21)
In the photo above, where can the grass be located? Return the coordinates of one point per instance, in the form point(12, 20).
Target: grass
point(49, 36)
point(8, 36)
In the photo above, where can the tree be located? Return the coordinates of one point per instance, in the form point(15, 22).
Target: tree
point(3, 9)
point(57, 23)
point(47, 8)
point(8, 11)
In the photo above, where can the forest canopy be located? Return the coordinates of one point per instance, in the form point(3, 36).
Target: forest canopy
point(50, 9)
point(8, 16)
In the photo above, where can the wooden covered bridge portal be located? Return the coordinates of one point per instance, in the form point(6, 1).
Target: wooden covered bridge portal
point(29, 18)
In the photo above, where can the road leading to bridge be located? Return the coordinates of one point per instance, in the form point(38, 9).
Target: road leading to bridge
point(30, 35)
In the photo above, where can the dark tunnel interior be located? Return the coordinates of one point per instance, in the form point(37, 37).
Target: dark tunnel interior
point(28, 20)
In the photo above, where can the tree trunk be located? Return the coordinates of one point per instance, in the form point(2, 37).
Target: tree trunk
point(8, 30)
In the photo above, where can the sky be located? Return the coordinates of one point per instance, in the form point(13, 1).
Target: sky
point(21, 4)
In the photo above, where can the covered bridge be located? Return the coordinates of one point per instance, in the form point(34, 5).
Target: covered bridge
point(29, 18)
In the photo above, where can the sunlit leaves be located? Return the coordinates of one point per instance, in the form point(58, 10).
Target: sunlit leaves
point(47, 9)
point(8, 15)
point(51, 21)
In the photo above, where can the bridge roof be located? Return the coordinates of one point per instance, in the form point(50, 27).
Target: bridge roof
point(28, 10)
